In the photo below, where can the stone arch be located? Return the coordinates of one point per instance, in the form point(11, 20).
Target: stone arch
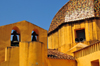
point(36, 34)
point(16, 29)
point(36, 30)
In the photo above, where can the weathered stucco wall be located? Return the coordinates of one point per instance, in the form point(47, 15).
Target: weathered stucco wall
point(11, 57)
point(61, 62)
point(31, 54)
point(86, 60)
point(98, 28)
point(25, 29)
point(64, 38)
point(87, 55)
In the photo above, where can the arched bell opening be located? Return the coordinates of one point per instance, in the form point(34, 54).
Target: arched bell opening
point(15, 37)
point(34, 36)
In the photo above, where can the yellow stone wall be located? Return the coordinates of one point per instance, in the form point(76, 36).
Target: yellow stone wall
point(61, 62)
point(11, 57)
point(86, 60)
point(25, 29)
point(87, 55)
point(98, 28)
point(64, 38)
point(31, 54)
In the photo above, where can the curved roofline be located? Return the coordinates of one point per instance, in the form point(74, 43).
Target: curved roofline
point(62, 7)
point(49, 33)
point(66, 14)
point(60, 10)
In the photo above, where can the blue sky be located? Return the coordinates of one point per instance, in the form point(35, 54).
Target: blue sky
point(38, 12)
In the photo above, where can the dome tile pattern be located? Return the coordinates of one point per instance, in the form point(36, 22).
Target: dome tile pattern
point(75, 10)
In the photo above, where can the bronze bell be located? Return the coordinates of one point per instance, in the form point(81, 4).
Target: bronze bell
point(14, 41)
point(34, 36)
point(14, 36)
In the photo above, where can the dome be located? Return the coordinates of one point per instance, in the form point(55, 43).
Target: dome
point(75, 10)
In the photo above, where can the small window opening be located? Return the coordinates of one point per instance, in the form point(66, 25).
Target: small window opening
point(80, 35)
point(34, 36)
point(95, 63)
point(14, 38)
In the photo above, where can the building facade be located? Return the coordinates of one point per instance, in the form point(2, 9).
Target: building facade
point(76, 22)
point(73, 38)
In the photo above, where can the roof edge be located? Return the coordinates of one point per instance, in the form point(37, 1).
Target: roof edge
point(70, 22)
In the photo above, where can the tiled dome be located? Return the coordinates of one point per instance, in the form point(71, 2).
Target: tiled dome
point(75, 10)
